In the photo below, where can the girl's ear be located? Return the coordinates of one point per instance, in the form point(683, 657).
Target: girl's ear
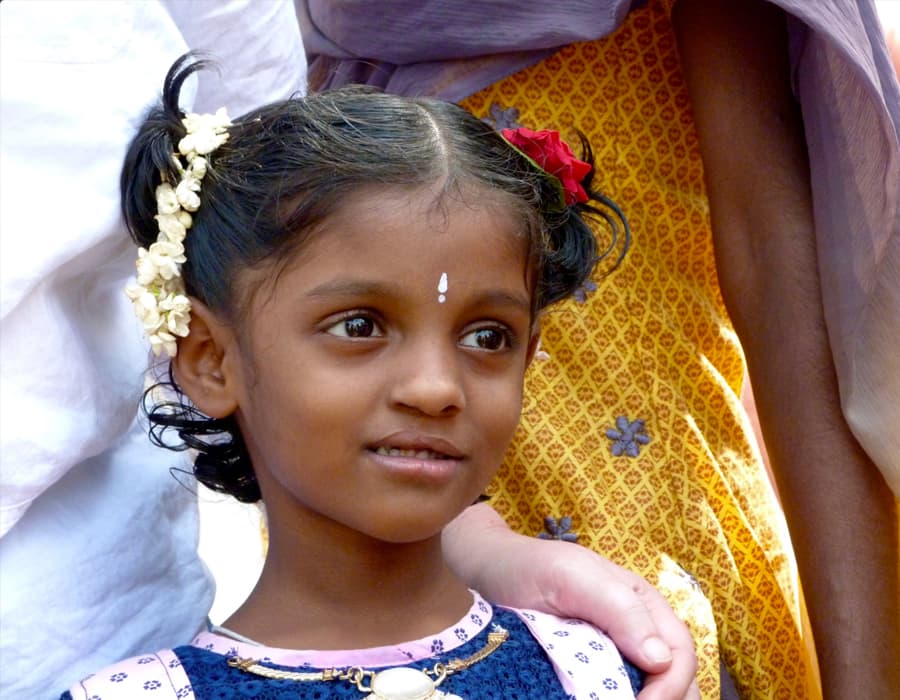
point(204, 364)
point(534, 342)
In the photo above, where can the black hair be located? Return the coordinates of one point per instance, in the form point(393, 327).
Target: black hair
point(284, 170)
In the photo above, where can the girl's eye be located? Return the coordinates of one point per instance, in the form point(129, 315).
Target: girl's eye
point(356, 327)
point(487, 339)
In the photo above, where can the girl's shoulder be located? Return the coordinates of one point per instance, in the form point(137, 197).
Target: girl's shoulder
point(587, 662)
point(161, 672)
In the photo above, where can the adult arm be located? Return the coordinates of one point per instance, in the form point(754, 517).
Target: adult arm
point(572, 581)
point(840, 512)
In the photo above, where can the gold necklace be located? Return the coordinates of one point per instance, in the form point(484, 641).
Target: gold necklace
point(397, 683)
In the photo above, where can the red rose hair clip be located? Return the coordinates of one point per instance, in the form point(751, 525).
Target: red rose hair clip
point(552, 155)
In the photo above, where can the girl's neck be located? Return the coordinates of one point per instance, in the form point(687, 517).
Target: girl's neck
point(350, 592)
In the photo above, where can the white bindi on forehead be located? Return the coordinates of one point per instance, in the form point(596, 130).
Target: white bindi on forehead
point(442, 288)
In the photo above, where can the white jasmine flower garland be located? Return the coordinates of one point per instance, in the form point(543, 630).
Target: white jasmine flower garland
point(158, 294)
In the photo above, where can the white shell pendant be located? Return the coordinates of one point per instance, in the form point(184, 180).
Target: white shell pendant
point(404, 683)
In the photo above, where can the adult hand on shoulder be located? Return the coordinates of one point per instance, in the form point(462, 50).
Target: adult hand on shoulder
point(571, 581)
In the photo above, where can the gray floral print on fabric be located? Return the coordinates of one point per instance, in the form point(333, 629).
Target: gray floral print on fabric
point(502, 118)
point(581, 294)
point(558, 530)
point(627, 437)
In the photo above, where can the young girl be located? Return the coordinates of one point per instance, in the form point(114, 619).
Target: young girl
point(349, 287)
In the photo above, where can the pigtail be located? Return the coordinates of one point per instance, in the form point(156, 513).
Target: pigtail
point(608, 212)
point(149, 157)
point(221, 461)
point(572, 253)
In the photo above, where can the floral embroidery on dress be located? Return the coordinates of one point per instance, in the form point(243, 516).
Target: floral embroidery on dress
point(581, 293)
point(558, 530)
point(502, 118)
point(627, 437)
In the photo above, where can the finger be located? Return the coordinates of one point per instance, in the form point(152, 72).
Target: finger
point(678, 682)
point(576, 582)
point(624, 605)
point(647, 628)
point(681, 674)
point(637, 618)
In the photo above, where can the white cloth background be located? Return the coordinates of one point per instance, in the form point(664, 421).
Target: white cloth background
point(99, 551)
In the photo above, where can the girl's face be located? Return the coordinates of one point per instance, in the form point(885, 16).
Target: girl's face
point(380, 381)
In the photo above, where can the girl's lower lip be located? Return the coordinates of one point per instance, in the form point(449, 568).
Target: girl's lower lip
point(417, 468)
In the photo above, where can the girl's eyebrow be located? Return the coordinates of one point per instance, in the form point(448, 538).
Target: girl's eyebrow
point(504, 299)
point(352, 288)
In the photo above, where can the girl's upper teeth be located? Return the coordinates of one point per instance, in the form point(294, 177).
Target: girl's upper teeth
point(418, 454)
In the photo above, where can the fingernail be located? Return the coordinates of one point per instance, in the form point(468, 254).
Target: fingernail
point(656, 650)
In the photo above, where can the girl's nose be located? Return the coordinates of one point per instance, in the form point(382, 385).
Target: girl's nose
point(429, 381)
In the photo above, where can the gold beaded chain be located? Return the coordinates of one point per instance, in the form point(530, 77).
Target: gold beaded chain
point(360, 676)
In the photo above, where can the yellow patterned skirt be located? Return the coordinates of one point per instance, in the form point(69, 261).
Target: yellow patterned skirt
point(632, 427)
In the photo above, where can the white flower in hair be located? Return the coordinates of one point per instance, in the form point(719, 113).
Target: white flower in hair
point(186, 192)
point(142, 298)
point(177, 308)
point(198, 167)
point(158, 295)
point(163, 259)
point(145, 307)
point(166, 201)
point(173, 226)
point(206, 132)
point(160, 341)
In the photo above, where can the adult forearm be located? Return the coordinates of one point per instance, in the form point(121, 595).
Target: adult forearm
point(571, 581)
point(840, 512)
point(843, 526)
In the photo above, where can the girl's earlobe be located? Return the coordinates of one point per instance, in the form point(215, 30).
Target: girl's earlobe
point(202, 365)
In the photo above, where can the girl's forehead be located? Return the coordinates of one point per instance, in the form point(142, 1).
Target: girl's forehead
point(433, 199)
point(437, 213)
point(413, 236)
point(407, 236)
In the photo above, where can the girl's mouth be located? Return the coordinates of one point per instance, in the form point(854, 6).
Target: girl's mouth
point(416, 454)
point(411, 455)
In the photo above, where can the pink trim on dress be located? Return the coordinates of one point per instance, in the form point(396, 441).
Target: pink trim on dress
point(478, 617)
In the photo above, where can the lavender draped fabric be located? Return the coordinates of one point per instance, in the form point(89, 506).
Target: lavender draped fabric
point(851, 108)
